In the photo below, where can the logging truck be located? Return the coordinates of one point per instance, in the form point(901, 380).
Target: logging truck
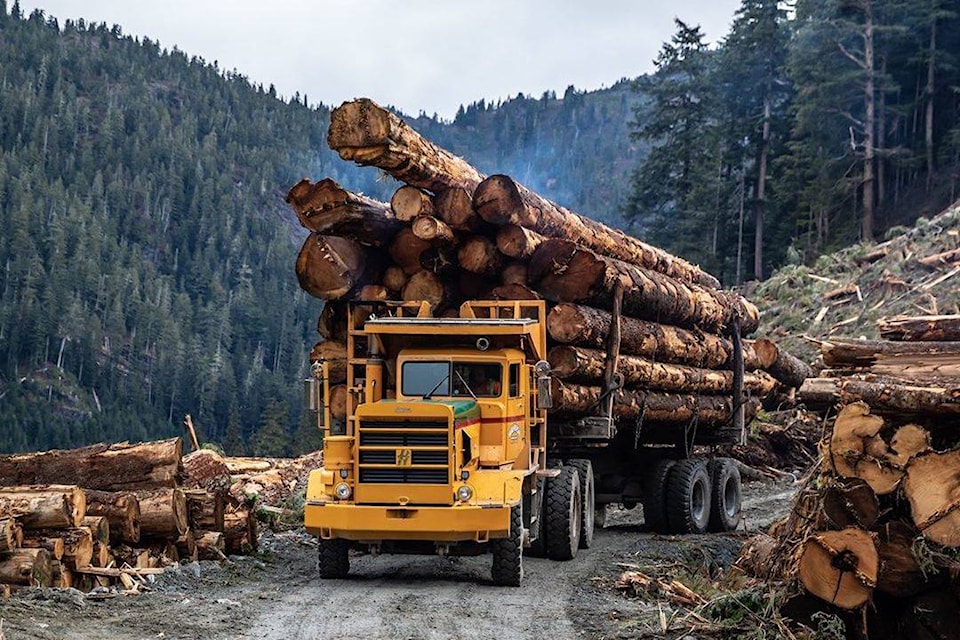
point(450, 445)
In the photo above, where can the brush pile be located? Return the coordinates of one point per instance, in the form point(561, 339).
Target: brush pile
point(451, 234)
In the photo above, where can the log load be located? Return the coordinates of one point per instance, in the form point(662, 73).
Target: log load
point(163, 513)
point(406, 249)
point(427, 286)
point(782, 365)
point(27, 567)
point(44, 506)
point(363, 132)
point(500, 200)
point(330, 268)
point(588, 327)
point(122, 511)
point(77, 544)
point(587, 366)
point(431, 230)
point(115, 467)
point(455, 208)
point(564, 272)
point(921, 328)
point(11, 534)
point(327, 209)
point(479, 254)
point(519, 243)
point(409, 203)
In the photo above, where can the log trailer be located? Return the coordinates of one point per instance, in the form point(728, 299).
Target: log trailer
point(449, 446)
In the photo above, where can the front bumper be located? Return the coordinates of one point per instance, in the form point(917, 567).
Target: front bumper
point(363, 523)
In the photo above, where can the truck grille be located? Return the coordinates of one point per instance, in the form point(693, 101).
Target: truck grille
point(404, 452)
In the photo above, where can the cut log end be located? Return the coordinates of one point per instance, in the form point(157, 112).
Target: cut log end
point(840, 567)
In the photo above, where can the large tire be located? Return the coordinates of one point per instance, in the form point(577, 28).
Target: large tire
point(508, 552)
point(538, 530)
point(333, 560)
point(563, 514)
point(688, 497)
point(585, 469)
point(655, 496)
point(726, 495)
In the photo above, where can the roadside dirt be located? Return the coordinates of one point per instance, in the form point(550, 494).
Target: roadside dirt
point(276, 595)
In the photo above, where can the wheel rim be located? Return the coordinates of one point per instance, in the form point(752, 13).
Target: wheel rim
point(588, 507)
point(575, 521)
point(730, 498)
point(698, 502)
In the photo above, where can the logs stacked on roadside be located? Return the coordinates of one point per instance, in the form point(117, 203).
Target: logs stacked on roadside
point(880, 521)
point(110, 514)
point(451, 234)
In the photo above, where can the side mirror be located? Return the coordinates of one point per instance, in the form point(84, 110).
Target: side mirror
point(541, 371)
point(311, 395)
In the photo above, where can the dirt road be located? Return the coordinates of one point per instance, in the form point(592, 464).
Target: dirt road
point(277, 596)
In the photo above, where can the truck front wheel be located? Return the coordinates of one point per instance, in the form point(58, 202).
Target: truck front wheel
point(726, 494)
point(333, 560)
point(563, 510)
point(508, 553)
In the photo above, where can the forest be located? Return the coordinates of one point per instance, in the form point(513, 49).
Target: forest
point(146, 264)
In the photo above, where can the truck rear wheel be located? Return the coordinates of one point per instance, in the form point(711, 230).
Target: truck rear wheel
point(655, 496)
point(333, 560)
point(585, 469)
point(726, 494)
point(508, 553)
point(688, 497)
point(563, 508)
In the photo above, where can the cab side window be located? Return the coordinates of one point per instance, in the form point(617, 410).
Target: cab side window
point(515, 380)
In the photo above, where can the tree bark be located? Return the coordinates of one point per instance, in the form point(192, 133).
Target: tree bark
point(900, 574)
point(479, 254)
point(326, 208)
point(901, 396)
point(586, 366)
point(514, 292)
point(77, 545)
point(501, 201)
point(516, 242)
point(44, 506)
point(122, 511)
point(11, 534)
point(840, 567)
point(163, 513)
point(588, 327)
point(782, 365)
point(820, 394)
point(367, 134)
point(54, 545)
point(563, 272)
point(865, 353)
point(921, 328)
point(869, 122)
point(331, 268)
point(409, 202)
point(104, 467)
point(455, 207)
point(204, 510)
point(206, 469)
point(28, 567)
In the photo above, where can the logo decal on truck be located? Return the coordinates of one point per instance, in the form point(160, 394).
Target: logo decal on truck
point(404, 457)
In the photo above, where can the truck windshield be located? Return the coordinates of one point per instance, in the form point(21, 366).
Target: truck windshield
point(420, 378)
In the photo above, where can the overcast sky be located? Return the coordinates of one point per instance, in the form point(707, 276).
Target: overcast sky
point(417, 55)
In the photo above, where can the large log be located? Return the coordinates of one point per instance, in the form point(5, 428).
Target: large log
point(501, 201)
point(116, 467)
point(586, 366)
point(820, 394)
point(394, 278)
point(44, 506)
point(782, 365)
point(77, 544)
point(163, 513)
point(206, 469)
point(431, 229)
point(28, 567)
point(920, 328)
point(409, 202)
point(122, 511)
point(589, 327)
point(564, 272)
point(55, 546)
point(328, 209)
point(840, 567)
point(479, 254)
point(11, 534)
point(516, 242)
point(204, 509)
point(666, 408)
point(405, 250)
point(240, 530)
point(367, 134)
point(892, 395)
point(839, 352)
point(331, 268)
point(932, 486)
point(455, 207)
point(426, 285)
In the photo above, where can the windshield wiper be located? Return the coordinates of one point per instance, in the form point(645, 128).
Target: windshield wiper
point(467, 386)
point(427, 395)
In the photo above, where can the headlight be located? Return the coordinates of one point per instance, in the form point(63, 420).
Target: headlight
point(464, 475)
point(464, 493)
point(343, 491)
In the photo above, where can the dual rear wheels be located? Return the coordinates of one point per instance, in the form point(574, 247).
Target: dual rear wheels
point(693, 496)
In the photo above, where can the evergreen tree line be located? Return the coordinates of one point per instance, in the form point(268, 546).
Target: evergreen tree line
point(812, 126)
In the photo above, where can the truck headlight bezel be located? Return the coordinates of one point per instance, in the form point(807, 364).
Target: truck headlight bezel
point(343, 491)
point(464, 493)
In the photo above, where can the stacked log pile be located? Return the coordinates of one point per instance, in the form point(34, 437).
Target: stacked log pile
point(109, 515)
point(877, 531)
point(451, 234)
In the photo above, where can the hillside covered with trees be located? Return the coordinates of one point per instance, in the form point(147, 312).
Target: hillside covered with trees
point(146, 264)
